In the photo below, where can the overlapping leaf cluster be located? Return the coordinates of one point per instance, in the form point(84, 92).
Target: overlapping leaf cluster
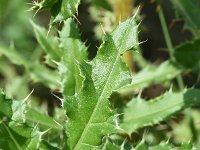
point(87, 86)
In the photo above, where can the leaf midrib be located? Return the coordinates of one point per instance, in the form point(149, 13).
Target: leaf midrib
point(96, 106)
point(76, 147)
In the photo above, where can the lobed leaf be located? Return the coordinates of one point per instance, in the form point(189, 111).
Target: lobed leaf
point(89, 112)
point(140, 113)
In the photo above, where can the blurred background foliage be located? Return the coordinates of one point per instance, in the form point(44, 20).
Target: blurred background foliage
point(18, 45)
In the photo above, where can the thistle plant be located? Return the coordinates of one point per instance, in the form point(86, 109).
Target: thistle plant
point(100, 101)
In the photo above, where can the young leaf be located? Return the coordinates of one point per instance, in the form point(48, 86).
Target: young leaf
point(140, 113)
point(89, 112)
point(152, 75)
point(188, 10)
point(73, 51)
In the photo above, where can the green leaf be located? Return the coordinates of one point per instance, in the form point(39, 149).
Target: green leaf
point(60, 9)
point(43, 4)
point(34, 116)
point(187, 146)
point(3, 9)
point(152, 75)
point(188, 10)
point(16, 134)
point(140, 113)
point(48, 3)
point(12, 55)
point(36, 70)
point(48, 43)
point(6, 106)
point(184, 52)
point(46, 146)
point(40, 73)
point(89, 111)
point(73, 51)
point(108, 145)
point(162, 146)
point(67, 10)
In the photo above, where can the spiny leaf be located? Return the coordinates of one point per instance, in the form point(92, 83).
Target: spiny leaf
point(16, 134)
point(89, 112)
point(60, 9)
point(184, 52)
point(140, 113)
point(152, 75)
point(68, 9)
point(44, 4)
point(188, 10)
point(73, 51)
point(48, 43)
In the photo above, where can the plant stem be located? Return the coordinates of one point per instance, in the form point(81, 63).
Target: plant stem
point(165, 32)
point(178, 78)
point(169, 43)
